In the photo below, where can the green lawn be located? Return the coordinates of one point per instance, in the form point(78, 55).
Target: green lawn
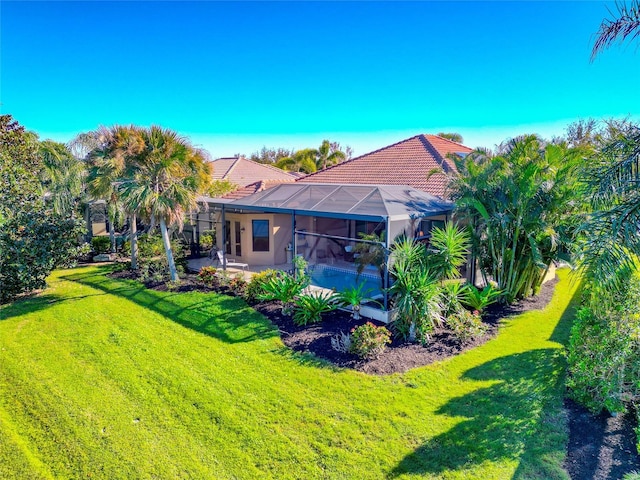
point(102, 378)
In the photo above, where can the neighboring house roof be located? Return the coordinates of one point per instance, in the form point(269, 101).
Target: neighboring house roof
point(243, 172)
point(409, 162)
point(344, 201)
point(254, 188)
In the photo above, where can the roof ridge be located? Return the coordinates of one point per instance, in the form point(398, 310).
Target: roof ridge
point(233, 165)
point(447, 139)
point(275, 169)
point(436, 154)
point(358, 157)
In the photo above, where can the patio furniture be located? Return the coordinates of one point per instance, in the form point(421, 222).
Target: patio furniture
point(230, 261)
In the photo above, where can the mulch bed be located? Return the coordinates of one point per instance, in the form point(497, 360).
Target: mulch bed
point(601, 447)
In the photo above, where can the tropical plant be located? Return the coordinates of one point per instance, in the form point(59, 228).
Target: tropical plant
point(255, 286)
point(63, 177)
point(300, 270)
point(369, 341)
point(478, 300)
point(465, 325)
point(448, 250)
point(207, 275)
point(164, 184)
point(284, 288)
point(625, 25)
point(611, 243)
point(238, 284)
point(310, 160)
point(354, 297)
point(115, 152)
point(309, 307)
point(522, 207)
point(454, 294)
point(416, 292)
point(371, 251)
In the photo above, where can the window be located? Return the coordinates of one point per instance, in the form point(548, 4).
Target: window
point(426, 225)
point(260, 235)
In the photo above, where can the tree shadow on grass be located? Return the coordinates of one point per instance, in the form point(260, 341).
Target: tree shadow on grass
point(37, 302)
point(228, 319)
point(518, 418)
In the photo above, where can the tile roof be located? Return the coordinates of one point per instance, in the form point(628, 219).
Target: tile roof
point(254, 188)
point(243, 172)
point(409, 162)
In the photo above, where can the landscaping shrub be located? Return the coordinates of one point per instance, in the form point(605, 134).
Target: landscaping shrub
point(101, 244)
point(448, 250)
point(466, 325)
point(282, 287)
point(416, 293)
point(207, 275)
point(454, 294)
point(477, 299)
point(310, 307)
point(32, 245)
point(34, 237)
point(207, 240)
point(154, 271)
point(150, 246)
point(369, 341)
point(604, 349)
point(238, 284)
point(255, 287)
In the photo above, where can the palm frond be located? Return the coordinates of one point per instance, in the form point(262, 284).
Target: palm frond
point(626, 24)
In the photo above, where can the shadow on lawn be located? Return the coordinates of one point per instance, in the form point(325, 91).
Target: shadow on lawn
point(228, 319)
point(37, 302)
point(519, 417)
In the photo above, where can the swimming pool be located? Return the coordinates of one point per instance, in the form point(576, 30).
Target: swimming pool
point(340, 279)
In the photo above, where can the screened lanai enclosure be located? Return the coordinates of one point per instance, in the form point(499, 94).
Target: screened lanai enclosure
point(344, 232)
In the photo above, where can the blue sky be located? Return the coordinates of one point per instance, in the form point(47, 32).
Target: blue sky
point(235, 76)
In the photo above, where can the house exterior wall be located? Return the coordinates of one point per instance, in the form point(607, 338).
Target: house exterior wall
point(279, 238)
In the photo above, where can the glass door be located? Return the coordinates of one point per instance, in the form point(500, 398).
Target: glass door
point(238, 239)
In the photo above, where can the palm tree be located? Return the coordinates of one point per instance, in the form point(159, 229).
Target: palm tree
point(612, 243)
point(310, 160)
point(165, 183)
point(300, 161)
point(63, 176)
point(116, 151)
point(327, 155)
point(520, 204)
point(625, 25)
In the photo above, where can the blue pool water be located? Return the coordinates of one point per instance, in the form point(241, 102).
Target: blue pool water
point(340, 279)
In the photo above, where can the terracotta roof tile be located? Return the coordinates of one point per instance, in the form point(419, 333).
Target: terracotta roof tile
point(254, 188)
point(242, 171)
point(409, 162)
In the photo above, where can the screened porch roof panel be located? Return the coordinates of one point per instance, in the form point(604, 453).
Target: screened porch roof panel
point(346, 200)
